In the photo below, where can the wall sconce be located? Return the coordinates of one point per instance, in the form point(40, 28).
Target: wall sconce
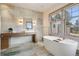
point(20, 21)
point(34, 22)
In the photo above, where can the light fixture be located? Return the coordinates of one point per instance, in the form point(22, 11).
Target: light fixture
point(20, 21)
point(34, 22)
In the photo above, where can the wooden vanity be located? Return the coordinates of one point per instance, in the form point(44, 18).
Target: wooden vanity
point(6, 36)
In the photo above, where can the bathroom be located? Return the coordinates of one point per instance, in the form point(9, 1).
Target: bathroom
point(43, 23)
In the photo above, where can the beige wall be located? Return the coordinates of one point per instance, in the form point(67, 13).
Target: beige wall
point(0, 19)
point(10, 16)
point(45, 24)
point(0, 33)
point(0, 24)
point(0, 30)
point(46, 17)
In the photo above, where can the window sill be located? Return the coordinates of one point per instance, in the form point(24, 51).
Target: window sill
point(74, 34)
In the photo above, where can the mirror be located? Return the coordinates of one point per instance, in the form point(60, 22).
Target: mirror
point(29, 25)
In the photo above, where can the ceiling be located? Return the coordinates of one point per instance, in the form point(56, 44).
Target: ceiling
point(40, 7)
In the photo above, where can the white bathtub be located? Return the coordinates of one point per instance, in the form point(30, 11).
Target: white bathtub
point(65, 47)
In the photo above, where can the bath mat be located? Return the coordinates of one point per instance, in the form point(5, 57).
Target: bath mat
point(9, 53)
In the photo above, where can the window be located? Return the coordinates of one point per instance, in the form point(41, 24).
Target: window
point(72, 20)
point(66, 21)
point(56, 23)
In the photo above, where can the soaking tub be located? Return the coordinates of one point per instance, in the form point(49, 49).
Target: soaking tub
point(66, 47)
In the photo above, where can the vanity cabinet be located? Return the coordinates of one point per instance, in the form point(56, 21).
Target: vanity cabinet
point(4, 40)
point(6, 36)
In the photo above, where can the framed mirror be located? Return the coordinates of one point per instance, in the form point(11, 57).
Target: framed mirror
point(29, 25)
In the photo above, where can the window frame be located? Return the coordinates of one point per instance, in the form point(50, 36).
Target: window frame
point(65, 26)
point(72, 6)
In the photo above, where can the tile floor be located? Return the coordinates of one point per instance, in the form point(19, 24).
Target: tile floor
point(28, 49)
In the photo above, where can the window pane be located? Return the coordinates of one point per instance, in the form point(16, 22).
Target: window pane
point(68, 12)
point(76, 13)
point(73, 20)
point(76, 8)
point(73, 11)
